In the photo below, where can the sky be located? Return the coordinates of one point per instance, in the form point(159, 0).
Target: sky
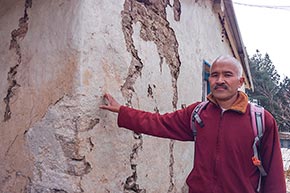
point(266, 29)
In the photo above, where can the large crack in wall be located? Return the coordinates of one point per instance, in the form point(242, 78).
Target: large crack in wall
point(16, 35)
point(154, 27)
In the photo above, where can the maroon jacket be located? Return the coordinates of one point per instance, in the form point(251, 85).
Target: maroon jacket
point(223, 148)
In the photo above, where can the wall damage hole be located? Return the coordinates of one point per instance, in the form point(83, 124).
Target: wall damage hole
point(16, 35)
point(156, 109)
point(55, 190)
point(183, 106)
point(77, 164)
point(69, 147)
point(150, 91)
point(223, 32)
point(146, 2)
point(131, 185)
point(78, 167)
point(91, 144)
point(13, 85)
point(171, 168)
point(93, 123)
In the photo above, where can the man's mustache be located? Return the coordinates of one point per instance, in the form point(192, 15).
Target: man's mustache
point(220, 86)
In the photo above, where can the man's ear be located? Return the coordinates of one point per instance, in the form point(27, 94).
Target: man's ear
point(242, 81)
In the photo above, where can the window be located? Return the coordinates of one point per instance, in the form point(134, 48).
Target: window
point(205, 83)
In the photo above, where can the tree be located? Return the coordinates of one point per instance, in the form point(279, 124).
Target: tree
point(284, 104)
point(269, 91)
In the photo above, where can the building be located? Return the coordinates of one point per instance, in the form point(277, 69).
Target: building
point(285, 139)
point(57, 60)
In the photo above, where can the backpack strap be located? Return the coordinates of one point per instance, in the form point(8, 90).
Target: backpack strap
point(258, 125)
point(196, 118)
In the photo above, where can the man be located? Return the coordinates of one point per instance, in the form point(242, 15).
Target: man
point(223, 147)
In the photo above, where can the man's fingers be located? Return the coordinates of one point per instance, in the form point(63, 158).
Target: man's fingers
point(108, 97)
point(103, 107)
point(107, 100)
point(110, 103)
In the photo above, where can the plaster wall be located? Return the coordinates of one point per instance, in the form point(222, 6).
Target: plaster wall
point(57, 60)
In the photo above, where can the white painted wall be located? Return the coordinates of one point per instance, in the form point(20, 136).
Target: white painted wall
point(72, 53)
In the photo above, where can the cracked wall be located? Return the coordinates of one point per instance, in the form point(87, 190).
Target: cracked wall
point(59, 151)
point(154, 27)
point(16, 36)
point(60, 57)
point(36, 71)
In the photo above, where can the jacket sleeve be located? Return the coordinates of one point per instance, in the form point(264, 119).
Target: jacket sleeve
point(274, 182)
point(175, 125)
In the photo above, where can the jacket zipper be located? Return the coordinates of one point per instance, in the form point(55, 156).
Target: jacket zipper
point(218, 153)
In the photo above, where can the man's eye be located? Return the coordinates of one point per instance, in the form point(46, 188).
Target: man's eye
point(213, 75)
point(228, 75)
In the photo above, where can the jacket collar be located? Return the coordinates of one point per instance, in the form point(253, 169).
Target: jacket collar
point(240, 105)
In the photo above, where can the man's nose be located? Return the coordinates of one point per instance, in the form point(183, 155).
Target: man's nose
point(220, 79)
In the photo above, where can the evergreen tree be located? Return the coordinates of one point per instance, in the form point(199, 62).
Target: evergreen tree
point(284, 104)
point(270, 93)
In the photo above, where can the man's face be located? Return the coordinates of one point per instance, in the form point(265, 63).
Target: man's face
point(224, 80)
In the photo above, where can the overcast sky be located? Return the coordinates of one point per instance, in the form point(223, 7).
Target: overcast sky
point(266, 29)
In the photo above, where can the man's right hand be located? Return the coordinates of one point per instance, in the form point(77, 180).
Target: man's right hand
point(111, 104)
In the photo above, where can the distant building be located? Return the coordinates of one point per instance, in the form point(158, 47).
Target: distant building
point(285, 139)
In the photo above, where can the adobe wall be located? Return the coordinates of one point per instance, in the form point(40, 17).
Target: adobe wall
point(57, 60)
